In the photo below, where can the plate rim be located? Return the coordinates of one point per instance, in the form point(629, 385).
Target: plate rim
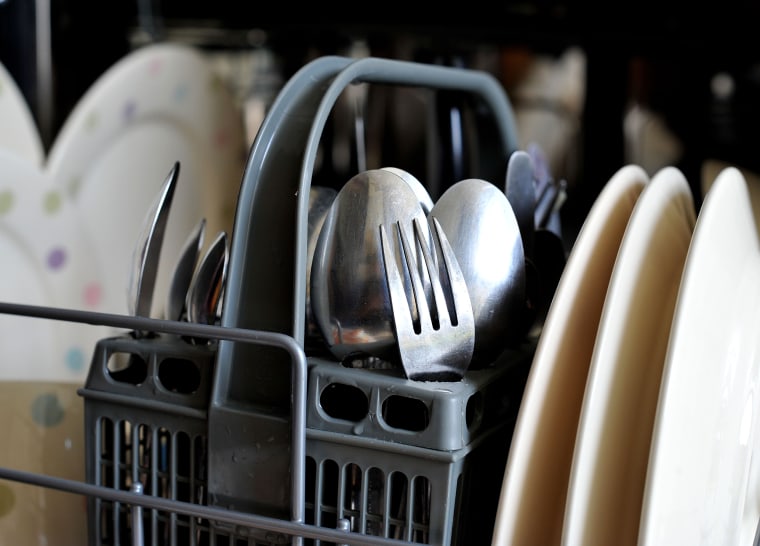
point(727, 203)
point(626, 184)
point(667, 193)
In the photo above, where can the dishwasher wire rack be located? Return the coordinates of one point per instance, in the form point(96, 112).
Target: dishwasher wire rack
point(134, 499)
point(238, 440)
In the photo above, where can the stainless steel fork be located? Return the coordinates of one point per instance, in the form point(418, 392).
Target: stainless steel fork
point(435, 339)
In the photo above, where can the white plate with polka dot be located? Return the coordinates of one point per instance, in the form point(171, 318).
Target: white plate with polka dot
point(46, 261)
point(159, 105)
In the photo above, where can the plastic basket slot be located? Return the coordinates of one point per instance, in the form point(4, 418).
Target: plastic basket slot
point(343, 401)
point(125, 367)
point(440, 416)
point(170, 464)
point(174, 374)
point(179, 375)
point(351, 403)
point(373, 501)
point(163, 369)
point(405, 413)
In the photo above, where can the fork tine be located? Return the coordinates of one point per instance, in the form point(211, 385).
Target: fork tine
point(420, 299)
point(441, 315)
point(461, 308)
point(430, 346)
point(404, 322)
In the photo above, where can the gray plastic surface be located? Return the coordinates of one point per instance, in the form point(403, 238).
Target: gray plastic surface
point(439, 416)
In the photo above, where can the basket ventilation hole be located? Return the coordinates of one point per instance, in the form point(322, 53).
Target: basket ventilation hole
point(474, 412)
point(127, 368)
point(341, 401)
point(406, 413)
point(179, 375)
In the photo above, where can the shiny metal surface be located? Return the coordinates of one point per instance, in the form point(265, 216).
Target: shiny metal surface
point(483, 232)
point(419, 189)
point(520, 189)
point(204, 296)
point(183, 272)
point(320, 200)
point(142, 280)
point(349, 294)
point(435, 340)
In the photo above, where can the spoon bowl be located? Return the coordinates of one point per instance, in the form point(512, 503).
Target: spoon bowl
point(204, 296)
point(419, 189)
point(320, 200)
point(484, 234)
point(349, 294)
point(183, 272)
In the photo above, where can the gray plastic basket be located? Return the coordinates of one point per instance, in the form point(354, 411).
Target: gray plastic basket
point(146, 416)
point(415, 461)
point(249, 415)
point(145, 413)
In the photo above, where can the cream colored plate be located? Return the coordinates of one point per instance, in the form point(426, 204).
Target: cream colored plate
point(612, 446)
point(533, 492)
point(711, 168)
point(702, 485)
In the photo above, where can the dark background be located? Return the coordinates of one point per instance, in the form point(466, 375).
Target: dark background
point(675, 50)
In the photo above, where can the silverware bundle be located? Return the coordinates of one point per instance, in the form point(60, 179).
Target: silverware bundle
point(197, 283)
point(433, 288)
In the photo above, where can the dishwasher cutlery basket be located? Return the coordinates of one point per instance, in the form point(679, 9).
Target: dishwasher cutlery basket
point(222, 424)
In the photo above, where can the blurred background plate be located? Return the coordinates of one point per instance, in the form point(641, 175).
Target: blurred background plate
point(158, 84)
point(47, 260)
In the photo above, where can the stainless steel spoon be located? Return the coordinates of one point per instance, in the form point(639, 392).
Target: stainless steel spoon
point(145, 260)
point(419, 189)
point(183, 272)
point(520, 189)
point(320, 200)
point(481, 227)
point(204, 297)
point(349, 294)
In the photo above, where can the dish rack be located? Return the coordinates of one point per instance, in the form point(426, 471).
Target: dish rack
point(236, 434)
